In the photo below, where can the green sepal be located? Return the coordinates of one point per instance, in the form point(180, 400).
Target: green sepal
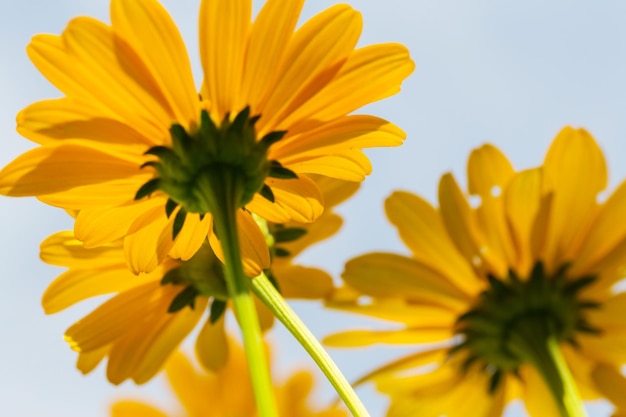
point(281, 252)
point(148, 188)
point(494, 382)
point(218, 307)
point(170, 206)
point(171, 277)
point(279, 171)
point(573, 287)
point(186, 297)
point(179, 221)
point(288, 234)
point(272, 137)
point(266, 192)
point(160, 151)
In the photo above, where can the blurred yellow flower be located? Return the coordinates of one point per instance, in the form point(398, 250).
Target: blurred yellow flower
point(226, 392)
point(151, 313)
point(523, 258)
point(129, 89)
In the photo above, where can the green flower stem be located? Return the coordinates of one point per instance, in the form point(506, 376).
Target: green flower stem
point(541, 349)
point(264, 289)
point(225, 191)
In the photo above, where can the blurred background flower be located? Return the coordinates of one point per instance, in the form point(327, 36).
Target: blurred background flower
point(227, 392)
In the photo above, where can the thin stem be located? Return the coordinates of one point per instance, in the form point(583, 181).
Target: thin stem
point(263, 289)
point(226, 192)
point(541, 349)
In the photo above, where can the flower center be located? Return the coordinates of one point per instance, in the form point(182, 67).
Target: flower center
point(500, 331)
point(228, 152)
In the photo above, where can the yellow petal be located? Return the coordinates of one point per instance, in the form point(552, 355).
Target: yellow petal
point(212, 345)
point(112, 319)
point(63, 249)
point(358, 338)
point(609, 348)
point(488, 173)
point(350, 165)
point(134, 409)
point(401, 311)
point(522, 197)
point(412, 361)
point(47, 121)
point(606, 232)
point(166, 340)
point(314, 55)
point(369, 74)
point(297, 281)
point(323, 228)
point(343, 133)
point(193, 234)
point(77, 285)
point(390, 275)
point(461, 224)
point(224, 27)
point(101, 225)
point(88, 361)
point(421, 228)
point(335, 191)
point(295, 199)
point(124, 92)
point(269, 36)
point(612, 316)
point(611, 383)
point(188, 383)
point(149, 335)
point(575, 192)
point(148, 240)
point(48, 170)
point(147, 27)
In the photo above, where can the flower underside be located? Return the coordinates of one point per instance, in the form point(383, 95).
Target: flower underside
point(513, 313)
point(201, 276)
point(228, 152)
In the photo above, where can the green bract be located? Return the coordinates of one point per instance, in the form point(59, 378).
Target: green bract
point(211, 153)
point(513, 314)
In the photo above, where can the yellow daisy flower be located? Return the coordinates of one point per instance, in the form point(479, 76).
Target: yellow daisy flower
point(506, 280)
point(226, 392)
point(151, 313)
point(129, 143)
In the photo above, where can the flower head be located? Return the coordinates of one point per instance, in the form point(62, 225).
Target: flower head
point(226, 392)
point(134, 144)
point(150, 314)
point(523, 258)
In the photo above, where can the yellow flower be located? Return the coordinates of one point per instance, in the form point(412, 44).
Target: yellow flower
point(524, 257)
point(132, 121)
point(151, 313)
point(226, 392)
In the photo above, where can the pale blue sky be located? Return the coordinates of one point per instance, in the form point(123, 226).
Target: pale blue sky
point(510, 72)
